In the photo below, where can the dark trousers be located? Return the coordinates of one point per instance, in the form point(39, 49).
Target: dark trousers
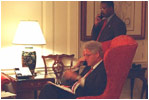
point(52, 92)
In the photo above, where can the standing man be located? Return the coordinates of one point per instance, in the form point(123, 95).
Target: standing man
point(107, 24)
point(92, 81)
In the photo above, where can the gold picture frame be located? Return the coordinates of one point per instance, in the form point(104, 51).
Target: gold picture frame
point(136, 16)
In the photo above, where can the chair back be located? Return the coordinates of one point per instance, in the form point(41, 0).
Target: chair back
point(117, 60)
point(63, 59)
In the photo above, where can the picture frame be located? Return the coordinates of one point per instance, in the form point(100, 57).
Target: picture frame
point(135, 15)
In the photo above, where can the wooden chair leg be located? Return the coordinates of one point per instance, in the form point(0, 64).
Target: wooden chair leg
point(146, 92)
point(132, 86)
point(144, 87)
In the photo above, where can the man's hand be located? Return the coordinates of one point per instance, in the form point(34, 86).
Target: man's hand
point(69, 74)
point(82, 59)
point(97, 19)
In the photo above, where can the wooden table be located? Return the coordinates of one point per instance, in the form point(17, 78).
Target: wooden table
point(34, 83)
point(138, 73)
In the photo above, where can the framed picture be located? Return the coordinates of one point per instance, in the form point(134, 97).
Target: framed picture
point(131, 12)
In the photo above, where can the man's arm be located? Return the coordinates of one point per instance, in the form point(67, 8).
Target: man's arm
point(94, 84)
point(119, 28)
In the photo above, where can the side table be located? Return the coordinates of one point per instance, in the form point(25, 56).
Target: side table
point(22, 86)
point(31, 85)
point(138, 73)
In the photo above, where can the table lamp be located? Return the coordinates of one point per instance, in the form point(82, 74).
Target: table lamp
point(29, 33)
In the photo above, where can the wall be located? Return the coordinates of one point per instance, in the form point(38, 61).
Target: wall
point(61, 26)
point(59, 21)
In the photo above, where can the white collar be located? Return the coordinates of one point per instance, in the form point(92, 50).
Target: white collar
point(97, 64)
point(109, 18)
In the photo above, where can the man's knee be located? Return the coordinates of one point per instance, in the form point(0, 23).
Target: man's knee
point(48, 91)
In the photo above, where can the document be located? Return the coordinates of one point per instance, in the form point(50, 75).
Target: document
point(62, 87)
point(23, 73)
point(7, 94)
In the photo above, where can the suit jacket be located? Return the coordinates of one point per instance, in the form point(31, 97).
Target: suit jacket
point(113, 28)
point(95, 82)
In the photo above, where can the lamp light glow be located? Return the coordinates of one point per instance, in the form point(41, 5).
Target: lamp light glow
point(29, 32)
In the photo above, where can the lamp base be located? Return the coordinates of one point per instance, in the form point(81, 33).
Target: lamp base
point(29, 60)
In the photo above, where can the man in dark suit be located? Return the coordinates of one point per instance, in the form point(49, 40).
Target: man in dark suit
point(107, 24)
point(92, 81)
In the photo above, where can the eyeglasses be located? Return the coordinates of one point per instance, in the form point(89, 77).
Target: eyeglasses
point(88, 55)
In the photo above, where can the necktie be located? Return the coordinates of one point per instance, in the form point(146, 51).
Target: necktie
point(103, 26)
point(76, 84)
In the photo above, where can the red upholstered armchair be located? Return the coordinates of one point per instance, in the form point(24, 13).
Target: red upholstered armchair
point(118, 56)
point(5, 79)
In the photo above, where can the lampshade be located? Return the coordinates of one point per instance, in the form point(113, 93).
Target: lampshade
point(29, 32)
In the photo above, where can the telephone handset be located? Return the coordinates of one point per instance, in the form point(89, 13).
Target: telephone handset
point(77, 69)
point(84, 63)
point(101, 16)
point(23, 73)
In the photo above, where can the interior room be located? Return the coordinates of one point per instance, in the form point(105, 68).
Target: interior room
point(62, 32)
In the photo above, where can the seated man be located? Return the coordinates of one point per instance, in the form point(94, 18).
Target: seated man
point(92, 81)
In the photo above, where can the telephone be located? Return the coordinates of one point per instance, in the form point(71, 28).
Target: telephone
point(101, 16)
point(85, 63)
point(23, 73)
